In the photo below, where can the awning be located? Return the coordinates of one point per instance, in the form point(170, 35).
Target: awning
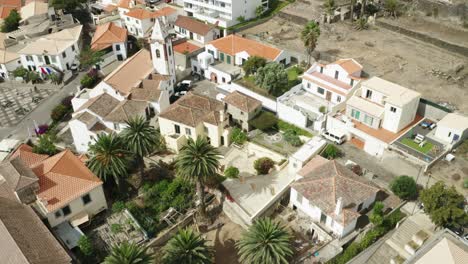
point(46, 70)
point(79, 219)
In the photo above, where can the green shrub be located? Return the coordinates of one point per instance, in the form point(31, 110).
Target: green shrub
point(292, 138)
point(330, 152)
point(45, 145)
point(392, 219)
point(231, 172)
point(20, 72)
point(404, 187)
point(263, 165)
point(87, 81)
point(377, 214)
point(252, 64)
point(238, 136)
point(59, 112)
point(264, 121)
point(323, 109)
point(116, 228)
point(86, 246)
point(284, 126)
point(118, 207)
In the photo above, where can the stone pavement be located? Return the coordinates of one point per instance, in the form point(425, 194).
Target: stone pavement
point(22, 126)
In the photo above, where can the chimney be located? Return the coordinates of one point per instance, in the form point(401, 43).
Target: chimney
point(339, 206)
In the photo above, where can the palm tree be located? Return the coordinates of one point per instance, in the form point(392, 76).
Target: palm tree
point(309, 36)
point(265, 242)
point(141, 139)
point(108, 157)
point(197, 162)
point(127, 253)
point(187, 247)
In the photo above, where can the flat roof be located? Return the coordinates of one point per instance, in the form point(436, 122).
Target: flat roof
point(455, 121)
point(395, 94)
point(309, 149)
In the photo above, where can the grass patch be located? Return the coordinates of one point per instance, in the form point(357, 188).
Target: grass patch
point(410, 143)
point(284, 126)
point(275, 7)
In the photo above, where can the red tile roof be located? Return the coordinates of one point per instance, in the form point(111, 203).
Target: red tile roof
point(62, 177)
point(193, 25)
point(108, 34)
point(234, 44)
point(186, 47)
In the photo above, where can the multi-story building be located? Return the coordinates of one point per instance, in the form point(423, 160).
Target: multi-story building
point(112, 40)
point(324, 88)
point(196, 30)
point(140, 21)
point(224, 13)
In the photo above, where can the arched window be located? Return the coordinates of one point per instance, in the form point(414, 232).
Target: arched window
point(158, 54)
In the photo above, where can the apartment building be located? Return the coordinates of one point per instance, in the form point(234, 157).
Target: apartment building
point(140, 21)
point(224, 13)
point(195, 30)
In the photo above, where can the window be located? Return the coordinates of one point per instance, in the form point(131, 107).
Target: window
point(53, 59)
point(116, 126)
point(188, 131)
point(137, 22)
point(241, 113)
point(39, 58)
point(320, 90)
point(368, 94)
point(86, 199)
point(392, 109)
point(450, 133)
point(66, 210)
point(321, 69)
point(336, 74)
point(58, 214)
point(73, 47)
point(308, 85)
point(355, 114)
point(177, 129)
point(338, 99)
point(211, 52)
point(368, 120)
point(352, 82)
point(117, 47)
point(228, 59)
point(221, 56)
point(169, 51)
point(223, 79)
point(158, 54)
point(128, 19)
point(64, 55)
point(29, 58)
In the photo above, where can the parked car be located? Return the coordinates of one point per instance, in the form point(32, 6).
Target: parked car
point(335, 136)
point(187, 82)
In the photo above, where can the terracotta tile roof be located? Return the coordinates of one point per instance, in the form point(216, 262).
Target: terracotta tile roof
point(127, 4)
point(141, 14)
point(108, 34)
point(186, 47)
point(165, 11)
point(323, 85)
point(130, 73)
point(233, 44)
point(25, 238)
point(349, 65)
point(24, 152)
point(101, 105)
point(192, 109)
point(17, 174)
point(63, 178)
point(7, 5)
point(193, 25)
point(126, 110)
point(328, 181)
point(312, 165)
point(110, 8)
point(242, 101)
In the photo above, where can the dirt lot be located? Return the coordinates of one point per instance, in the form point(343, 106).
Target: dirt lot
point(383, 53)
point(223, 239)
point(452, 173)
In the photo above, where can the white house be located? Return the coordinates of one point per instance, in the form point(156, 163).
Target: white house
point(377, 113)
point(331, 195)
point(452, 128)
point(194, 116)
point(56, 51)
point(224, 13)
point(140, 21)
point(222, 60)
point(68, 190)
point(112, 40)
point(195, 30)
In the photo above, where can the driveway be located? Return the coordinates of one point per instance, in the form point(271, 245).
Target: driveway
point(41, 114)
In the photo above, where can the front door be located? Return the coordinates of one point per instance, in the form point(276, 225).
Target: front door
point(47, 59)
point(119, 57)
point(328, 96)
point(222, 141)
point(191, 35)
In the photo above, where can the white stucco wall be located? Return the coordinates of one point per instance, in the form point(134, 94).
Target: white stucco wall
point(66, 57)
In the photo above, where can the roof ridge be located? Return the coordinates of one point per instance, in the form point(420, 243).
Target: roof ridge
point(58, 156)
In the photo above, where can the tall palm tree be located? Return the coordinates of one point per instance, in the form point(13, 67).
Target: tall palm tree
point(141, 139)
point(109, 158)
point(265, 242)
point(187, 247)
point(197, 162)
point(127, 253)
point(309, 36)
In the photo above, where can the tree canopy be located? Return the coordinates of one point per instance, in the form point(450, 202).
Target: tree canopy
point(272, 77)
point(68, 5)
point(444, 205)
point(252, 64)
point(89, 57)
point(11, 22)
point(188, 246)
point(404, 187)
point(309, 36)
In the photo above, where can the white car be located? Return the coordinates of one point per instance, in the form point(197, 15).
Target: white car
point(188, 83)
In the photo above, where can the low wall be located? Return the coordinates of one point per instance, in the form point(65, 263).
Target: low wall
point(431, 110)
point(164, 237)
point(425, 38)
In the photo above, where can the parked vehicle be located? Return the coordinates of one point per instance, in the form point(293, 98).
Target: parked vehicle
point(187, 82)
point(336, 136)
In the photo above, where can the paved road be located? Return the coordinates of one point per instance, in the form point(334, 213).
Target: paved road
point(41, 114)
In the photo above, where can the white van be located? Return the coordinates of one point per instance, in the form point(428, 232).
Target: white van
point(335, 136)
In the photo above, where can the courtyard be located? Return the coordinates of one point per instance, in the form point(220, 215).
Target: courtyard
point(18, 100)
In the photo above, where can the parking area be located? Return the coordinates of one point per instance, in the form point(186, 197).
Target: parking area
point(420, 142)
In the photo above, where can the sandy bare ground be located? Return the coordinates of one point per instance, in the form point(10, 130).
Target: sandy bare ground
point(383, 53)
point(223, 239)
